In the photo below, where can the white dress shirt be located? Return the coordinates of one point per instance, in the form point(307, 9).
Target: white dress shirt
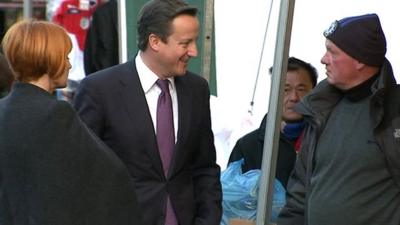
point(152, 91)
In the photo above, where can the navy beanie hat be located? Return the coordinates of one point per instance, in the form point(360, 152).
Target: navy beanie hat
point(361, 37)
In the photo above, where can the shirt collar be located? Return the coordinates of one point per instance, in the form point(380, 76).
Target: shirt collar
point(147, 77)
point(361, 91)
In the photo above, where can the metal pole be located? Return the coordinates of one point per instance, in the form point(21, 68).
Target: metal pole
point(272, 130)
point(122, 32)
point(208, 38)
point(27, 9)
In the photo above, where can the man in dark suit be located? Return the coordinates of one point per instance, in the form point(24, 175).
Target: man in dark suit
point(120, 105)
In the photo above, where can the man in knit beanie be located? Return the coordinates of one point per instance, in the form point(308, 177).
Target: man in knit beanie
point(348, 170)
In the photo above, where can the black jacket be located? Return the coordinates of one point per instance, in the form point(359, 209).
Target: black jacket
point(250, 147)
point(54, 171)
point(101, 47)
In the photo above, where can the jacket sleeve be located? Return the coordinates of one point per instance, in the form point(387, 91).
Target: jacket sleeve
point(88, 107)
point(206, 173)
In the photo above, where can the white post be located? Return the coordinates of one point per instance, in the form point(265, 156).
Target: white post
point(272, 131)
point(208, 38)
point(122, 32)
point(27, 9)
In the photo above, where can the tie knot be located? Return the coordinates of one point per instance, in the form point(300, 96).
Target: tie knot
point(163, 84)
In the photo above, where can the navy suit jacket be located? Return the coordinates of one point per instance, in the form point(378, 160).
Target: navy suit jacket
point(112, 103)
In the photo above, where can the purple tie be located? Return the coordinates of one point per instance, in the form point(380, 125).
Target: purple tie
point(166, 138)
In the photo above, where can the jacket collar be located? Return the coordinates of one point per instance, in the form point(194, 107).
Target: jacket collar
point(323, 98)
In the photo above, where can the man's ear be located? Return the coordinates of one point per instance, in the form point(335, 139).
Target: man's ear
point(359, 65)
point(154, 42)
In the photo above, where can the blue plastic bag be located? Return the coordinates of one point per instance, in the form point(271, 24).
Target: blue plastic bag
point(240, 194)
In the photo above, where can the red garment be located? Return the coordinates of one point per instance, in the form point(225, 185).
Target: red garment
point(75, 19)
point(297, 145)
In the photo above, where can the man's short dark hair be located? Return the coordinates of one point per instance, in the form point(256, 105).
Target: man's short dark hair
point(296, 64)
point(156, 17)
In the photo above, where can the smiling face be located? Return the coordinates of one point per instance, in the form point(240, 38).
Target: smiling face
point(174, 54)
point(298, 84)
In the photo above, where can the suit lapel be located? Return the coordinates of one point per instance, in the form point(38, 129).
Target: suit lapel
point(184, 117)
point(135, 103)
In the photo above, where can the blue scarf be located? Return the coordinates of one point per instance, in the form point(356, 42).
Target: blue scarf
point(293, 130)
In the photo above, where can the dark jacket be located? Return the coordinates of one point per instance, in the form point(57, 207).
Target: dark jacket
point(316, 107)
point(113, 104)
point(250, 148)
point(6, 76)
point(54, 171)
point(101, 46)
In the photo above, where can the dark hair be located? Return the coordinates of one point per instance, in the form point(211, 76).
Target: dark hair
point(297, 64)
point(156, 17)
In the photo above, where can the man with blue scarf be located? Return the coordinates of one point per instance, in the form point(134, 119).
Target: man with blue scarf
point(301, 77)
